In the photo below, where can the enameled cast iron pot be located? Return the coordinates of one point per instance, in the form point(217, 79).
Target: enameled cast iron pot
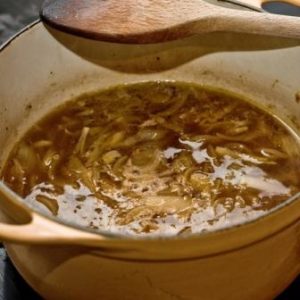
point(42, 68)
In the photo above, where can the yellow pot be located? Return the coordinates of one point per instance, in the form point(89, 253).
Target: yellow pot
point(42, 68)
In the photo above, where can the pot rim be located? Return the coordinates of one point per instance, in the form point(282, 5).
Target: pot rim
point(232, 232)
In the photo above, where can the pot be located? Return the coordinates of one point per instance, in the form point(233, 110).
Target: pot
point(43, 68)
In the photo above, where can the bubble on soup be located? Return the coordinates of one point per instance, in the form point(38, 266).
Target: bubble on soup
point(156, 158)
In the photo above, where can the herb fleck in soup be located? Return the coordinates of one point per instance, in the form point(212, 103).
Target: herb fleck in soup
point(156, 158)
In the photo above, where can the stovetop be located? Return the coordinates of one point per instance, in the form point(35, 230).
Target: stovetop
point(15, 14)
point(12, 285)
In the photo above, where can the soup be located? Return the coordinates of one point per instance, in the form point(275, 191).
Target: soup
point(156, 158)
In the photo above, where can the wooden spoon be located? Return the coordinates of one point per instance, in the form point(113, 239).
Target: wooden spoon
point(152, 21)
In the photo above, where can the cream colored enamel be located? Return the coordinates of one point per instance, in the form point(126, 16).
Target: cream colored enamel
point(40, 72)
point(258, 272)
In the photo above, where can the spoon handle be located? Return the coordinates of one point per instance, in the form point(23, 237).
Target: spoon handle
point(257, 23)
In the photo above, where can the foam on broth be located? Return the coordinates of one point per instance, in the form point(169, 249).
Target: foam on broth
point(156, 158)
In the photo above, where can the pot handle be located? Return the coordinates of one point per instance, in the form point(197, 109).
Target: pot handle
point(32, 228)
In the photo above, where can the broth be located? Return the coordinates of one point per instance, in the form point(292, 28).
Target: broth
point(156, 158)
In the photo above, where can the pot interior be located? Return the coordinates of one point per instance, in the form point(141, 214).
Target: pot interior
point(45, 68)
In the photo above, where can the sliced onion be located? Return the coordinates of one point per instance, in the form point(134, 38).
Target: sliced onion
point(51, 204)
point(80, 147)
point(43, 144)
point(273, 153)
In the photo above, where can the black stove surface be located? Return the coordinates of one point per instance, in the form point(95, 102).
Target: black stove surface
point(15, 14)
point(12, 285)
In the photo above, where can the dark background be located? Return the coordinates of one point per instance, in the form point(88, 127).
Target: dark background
point(15, 14)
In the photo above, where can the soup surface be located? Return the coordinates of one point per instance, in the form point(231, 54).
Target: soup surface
point(156, 158)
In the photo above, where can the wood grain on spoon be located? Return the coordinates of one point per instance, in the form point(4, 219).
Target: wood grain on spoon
point(151, 21)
